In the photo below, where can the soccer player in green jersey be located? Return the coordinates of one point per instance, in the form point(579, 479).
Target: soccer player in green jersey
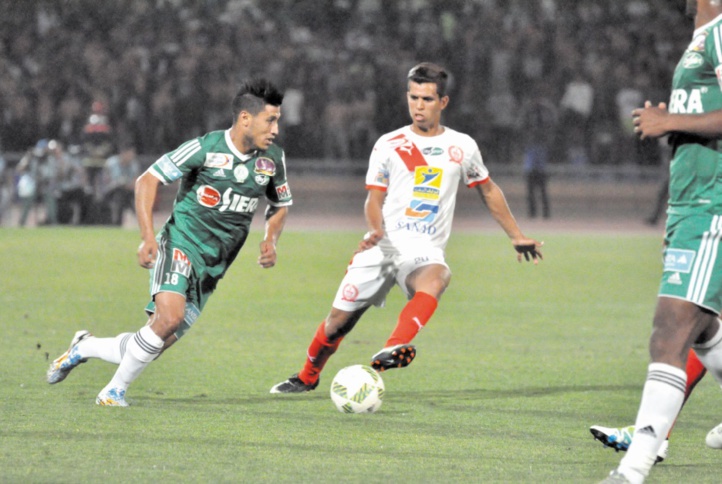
point(222, 176)
point(690, 293)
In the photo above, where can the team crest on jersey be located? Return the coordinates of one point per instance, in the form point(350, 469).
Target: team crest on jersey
point(181, 264)
point(427, 182)
point(349, 293)
point(692, 60)
point(456, 154)
point(240, 173)
point(208, 196)
point(221, 161)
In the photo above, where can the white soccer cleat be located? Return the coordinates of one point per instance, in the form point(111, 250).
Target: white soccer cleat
point(620, 438)
point(714, 438)
point(112, 397)
point(61, 367)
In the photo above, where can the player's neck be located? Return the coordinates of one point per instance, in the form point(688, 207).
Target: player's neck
point(435, 130)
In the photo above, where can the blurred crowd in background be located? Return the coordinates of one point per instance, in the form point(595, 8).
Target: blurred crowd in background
point(154, 73)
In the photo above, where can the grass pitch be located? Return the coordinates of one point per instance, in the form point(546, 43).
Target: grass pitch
point(516, 364)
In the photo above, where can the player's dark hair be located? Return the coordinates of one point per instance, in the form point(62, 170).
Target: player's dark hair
point(427, 72)
point(253, 96)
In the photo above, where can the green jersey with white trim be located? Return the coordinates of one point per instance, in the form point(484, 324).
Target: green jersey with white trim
point(695, 184)
point(219, 192)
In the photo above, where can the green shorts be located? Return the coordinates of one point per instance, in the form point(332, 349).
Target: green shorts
point(692, 263)
point(175, 271)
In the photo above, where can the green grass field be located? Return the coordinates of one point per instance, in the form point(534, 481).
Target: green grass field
point(516, 364)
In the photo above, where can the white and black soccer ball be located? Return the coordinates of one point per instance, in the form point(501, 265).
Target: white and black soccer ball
point(357, 389)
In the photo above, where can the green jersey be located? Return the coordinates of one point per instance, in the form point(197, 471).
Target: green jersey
point(695, 184)
point(219, 192)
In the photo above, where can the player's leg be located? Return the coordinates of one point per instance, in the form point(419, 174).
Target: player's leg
point(425, 285)
point(145, 346)
point(620, 438)
point(677, 323)
point(367, 281)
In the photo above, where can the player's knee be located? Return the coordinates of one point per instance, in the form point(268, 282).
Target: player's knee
point(165, 323)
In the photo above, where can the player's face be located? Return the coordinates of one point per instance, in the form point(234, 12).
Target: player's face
point(263, 128)
point(425, 107)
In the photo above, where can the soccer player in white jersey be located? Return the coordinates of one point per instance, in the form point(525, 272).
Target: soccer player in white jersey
point(412, 181)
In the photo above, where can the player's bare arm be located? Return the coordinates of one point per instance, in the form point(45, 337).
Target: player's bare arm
point(494, 199)
point(656, 121)
point(374, 219)
point(146, 190)
point(275, 221)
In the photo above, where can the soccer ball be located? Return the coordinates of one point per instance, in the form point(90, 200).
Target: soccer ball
point(357, 389)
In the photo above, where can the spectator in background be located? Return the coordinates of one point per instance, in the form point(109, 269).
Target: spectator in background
point(97, 146)
point(119, 177)
point(576, 109)
point(6, 193)
point(538, 118)
point(28, 173)
point(72, 198)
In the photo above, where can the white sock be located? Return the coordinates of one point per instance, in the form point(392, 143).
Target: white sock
point(107, 349)
point(141, 349)
point(710, 354)
point(662, 399)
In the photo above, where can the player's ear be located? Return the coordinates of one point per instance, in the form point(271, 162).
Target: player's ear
point(444, 101)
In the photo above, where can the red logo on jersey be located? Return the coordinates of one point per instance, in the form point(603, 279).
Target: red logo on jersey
point(181, 264)
point(208, 196)
point(456, 154)
point(350, 293)
point(283, 192)
point(408, 152)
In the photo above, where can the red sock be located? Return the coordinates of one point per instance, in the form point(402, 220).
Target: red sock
point(695, 371)
point(319, 351)
point(413, 317)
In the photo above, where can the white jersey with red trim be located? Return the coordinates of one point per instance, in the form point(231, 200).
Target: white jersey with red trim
point(421, 176)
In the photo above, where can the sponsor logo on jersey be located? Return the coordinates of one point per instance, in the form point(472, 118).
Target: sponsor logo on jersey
point(222, 161)
point(456, 154)
point(427, 182)
point(433, 151)
point(208, 196)
point(679, 260)
point(240, 173)
point(181, 264)
point(234, 202)
point(421, 228)
point(683, 102)
point(382, 177)
point(697, 44)
point(283, 192)
point(265, 166)
point(168, 168)
point(422, 210)
point(692, 60)
point(675, 279)
point(349, 293)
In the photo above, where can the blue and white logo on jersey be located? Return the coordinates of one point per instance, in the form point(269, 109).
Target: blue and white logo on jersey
point(678, 260)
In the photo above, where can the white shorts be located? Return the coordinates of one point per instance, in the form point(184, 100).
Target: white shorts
point(372, 273)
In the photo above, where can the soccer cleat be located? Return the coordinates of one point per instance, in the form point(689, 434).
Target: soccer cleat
point(397, 356)
point(63, 364)
point(616, 477)
point(619, 439)
point(112, 397)
point(294, 385)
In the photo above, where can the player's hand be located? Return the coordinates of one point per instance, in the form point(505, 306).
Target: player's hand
point(147, 253)
point(650, 121)
point(370, 240)
point(267, 259)
point(529, 249)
